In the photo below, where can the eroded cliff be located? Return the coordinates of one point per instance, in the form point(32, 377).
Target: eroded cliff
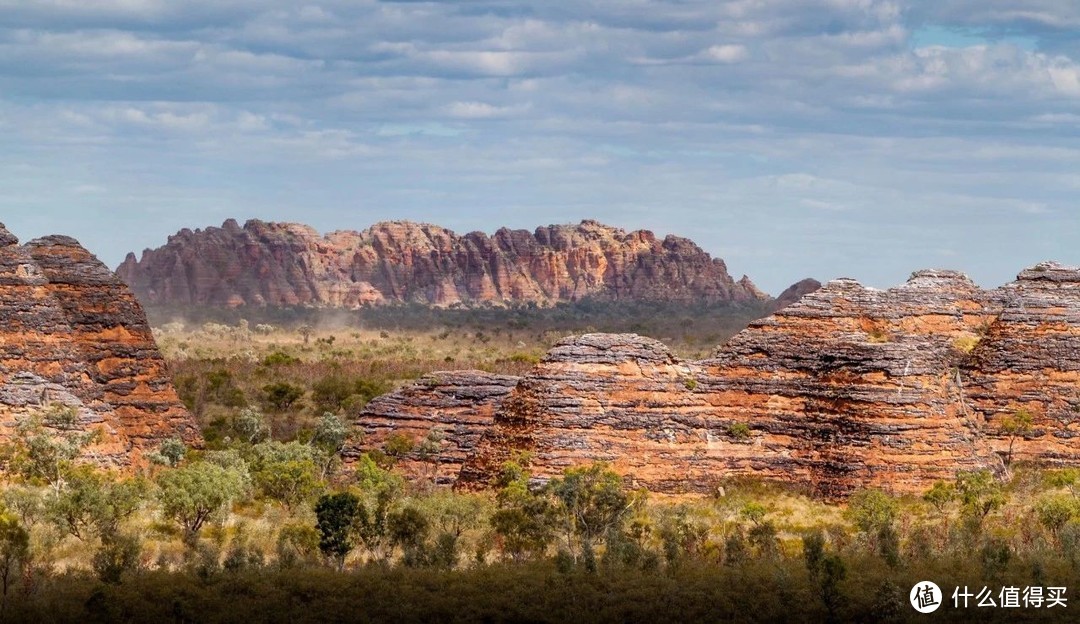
point(284, 264)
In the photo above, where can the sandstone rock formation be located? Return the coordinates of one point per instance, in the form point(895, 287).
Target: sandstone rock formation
point(857, 387)
point(847, 387)
point(71, 333)
point(284, 264)
point(619, 398)
point(1028, 359)
point(450, 409)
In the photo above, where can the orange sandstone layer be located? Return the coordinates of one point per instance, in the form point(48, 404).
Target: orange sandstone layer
point(72, 333)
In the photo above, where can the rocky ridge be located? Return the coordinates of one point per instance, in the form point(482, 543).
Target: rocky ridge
point(286, 264)
point(72, 334)
point(849, 387)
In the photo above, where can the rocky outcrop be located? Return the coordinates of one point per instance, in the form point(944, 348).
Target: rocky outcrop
point(443, 415)
point(72, 334)
point(618, 398)
point(284, 264)
point(856, 387)
point(848, 387)
point(1028, 360)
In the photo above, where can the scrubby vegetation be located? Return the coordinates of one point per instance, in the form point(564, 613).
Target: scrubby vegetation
point(260, 529)
point(475, 331)
point(267, 523)
point(289, 367)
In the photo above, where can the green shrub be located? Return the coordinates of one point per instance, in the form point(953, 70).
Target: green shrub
point(740, 432)
point(279, 358)
point(281, 395)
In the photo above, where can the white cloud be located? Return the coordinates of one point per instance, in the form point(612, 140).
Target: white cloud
point(727, 53)
point(481, 110)
point(788, 126)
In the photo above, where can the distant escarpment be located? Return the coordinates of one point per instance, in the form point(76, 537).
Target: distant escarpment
point(285, 264)
point(848, 387)
point(72, 334)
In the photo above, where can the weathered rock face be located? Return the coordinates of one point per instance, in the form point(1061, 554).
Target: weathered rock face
point(72, 334)
point(619, 398)
point(282, 264)
point(1029, 359)
point(450, 410)
point(847, 387)
point(857, 387)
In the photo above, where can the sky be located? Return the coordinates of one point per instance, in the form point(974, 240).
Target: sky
point(792, 138)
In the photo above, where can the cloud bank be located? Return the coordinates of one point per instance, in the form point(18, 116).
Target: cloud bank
point(790, 137)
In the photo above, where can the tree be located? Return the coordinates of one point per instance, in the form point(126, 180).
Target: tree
point(428, 451)
point(408, 530)
point(193, 494)
point(14, 553)
point(980, 493)
point(1055, 511)
point(330, 393)
point(170, 453)
point(763, 536)
point(870, 510)
point(874, 512)
point(683, 534)
point(329, 437)
point(119, 553)
point(47, 444)
point(306, 331)
point(372, 478)
point(940, 495)
point(450, 514)
point(281, 395)
point(525, 520)
point(336, 514)
point(251, 425)
point(833, 573)
point(754, 512)
point(814, 551)
point(93, 503)
point(287, 473)
point(593, 503)
point(373, 523)
point(398, 445)
point(27, 503)
point(297, 543)
point(1016, 425)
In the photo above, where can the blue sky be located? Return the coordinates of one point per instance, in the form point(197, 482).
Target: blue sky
point(793, 138)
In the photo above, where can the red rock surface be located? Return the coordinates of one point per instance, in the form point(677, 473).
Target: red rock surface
point(458, 406)
point(72, 333)
point(848, 387)
point(1028, 358)
point(284, 264)
point(619, 398)
point(855, 387)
